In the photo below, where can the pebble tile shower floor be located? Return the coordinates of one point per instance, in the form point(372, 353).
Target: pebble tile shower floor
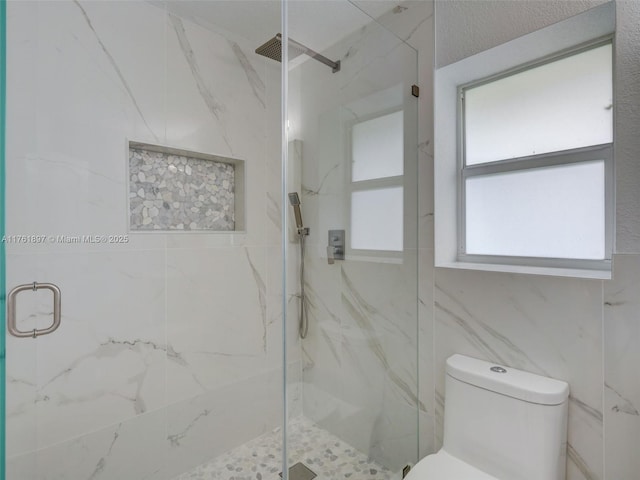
point(260, 459)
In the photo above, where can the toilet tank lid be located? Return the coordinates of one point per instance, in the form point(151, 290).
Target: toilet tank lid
point(513, 382)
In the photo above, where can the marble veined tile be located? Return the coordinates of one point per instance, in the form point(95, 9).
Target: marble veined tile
point(133, 450)
point(204, 427)
point(142, 327)
point(621, 360)
point(403, 18)
point(367, 331)
point(212, 99)
point(373, 59)
point(550, 326)
point(221, 104)
point(105, 364)
point(426, 354)
point(217, 323)
point(95, 87)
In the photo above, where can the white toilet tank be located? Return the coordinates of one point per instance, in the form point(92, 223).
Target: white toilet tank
point(509, 423)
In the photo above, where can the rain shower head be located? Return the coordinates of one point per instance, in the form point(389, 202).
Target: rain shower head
point(294, 199)
point(272, 49)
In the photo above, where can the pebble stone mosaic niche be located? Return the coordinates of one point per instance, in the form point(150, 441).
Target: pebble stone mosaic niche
point(171, 189)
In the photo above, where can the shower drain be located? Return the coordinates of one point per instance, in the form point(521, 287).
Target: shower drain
point(300, 472)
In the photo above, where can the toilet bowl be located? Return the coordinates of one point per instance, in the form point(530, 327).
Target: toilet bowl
point(500, 423)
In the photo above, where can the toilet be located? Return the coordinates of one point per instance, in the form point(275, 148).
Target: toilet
point(499, 424)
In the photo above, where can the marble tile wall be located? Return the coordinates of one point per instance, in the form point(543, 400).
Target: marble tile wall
point(621, 360)
point(127, 369)
point(166, 340)
point(546, 325)
point(582, 331)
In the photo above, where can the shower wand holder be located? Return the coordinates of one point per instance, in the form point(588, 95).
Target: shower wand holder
point(303, 231)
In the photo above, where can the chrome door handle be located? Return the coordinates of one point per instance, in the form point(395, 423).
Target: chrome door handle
point(11, 309)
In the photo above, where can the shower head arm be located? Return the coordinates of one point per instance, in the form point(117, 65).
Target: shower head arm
point(335, 66)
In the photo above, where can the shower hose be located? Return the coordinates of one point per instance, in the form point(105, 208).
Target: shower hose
point(304, 321)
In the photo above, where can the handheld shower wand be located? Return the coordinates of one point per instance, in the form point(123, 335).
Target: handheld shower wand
point(294, 199)
point(303, 231)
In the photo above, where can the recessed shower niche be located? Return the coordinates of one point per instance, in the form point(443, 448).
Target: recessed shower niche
point(172, 189)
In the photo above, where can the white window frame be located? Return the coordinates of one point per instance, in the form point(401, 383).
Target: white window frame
point(372, 184)
point(584, 31)
point(550, 159)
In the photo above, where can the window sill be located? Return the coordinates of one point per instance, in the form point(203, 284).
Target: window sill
point(531, 270)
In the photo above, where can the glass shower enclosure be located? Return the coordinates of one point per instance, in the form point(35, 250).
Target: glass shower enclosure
point(353, 157)
point(151, 266)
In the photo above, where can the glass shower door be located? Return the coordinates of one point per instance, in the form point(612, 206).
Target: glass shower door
point(143, 145)
point(3, 63)
point(353, 380)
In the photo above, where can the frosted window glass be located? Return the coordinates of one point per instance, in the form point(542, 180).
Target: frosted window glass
point(557, 106)
point(376, 219)
point(544, 212)
point(377, 148)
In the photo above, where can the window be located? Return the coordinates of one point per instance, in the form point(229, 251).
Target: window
point(376, 187)
point(524, 153)
point(559, 105)
point(536, 153)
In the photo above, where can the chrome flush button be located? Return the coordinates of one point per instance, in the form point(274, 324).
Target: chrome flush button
point(498, 369)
